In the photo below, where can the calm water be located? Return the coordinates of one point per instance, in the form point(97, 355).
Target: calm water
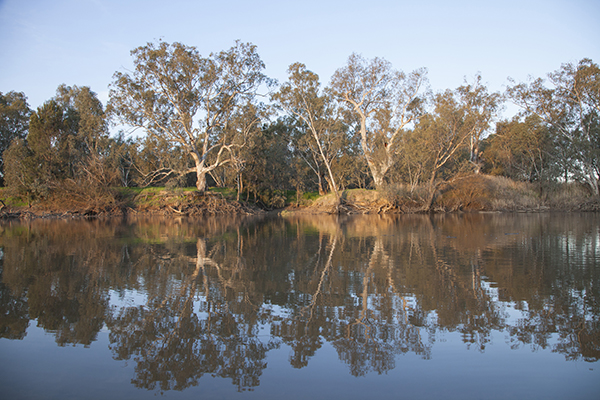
point(478, 306)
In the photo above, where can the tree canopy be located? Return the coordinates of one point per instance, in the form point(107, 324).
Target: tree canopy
point(211, 120)
point(187, 100)
point(571, 106)
point(14, 121)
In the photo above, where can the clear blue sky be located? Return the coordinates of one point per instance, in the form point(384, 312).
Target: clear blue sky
point(44, 43)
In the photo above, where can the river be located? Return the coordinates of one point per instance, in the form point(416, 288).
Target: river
point(456, 306)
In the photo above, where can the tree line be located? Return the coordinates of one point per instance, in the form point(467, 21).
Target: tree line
point(218, 120)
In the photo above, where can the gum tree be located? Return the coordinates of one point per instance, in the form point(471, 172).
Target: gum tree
point(570, 105)
point(314, 115)
point(482, 110)
point(35, 165)
point(382, 102)
point(434, 148)
point(186, 100)
point(67, 148)
point(14, 121)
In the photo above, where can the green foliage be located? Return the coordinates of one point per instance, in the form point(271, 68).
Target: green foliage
point(571, 108)
point(14, 122)
point(381, 103)
point(318, 134)
point(310, 196)
point(224, 192)
point(186, 101)
point(33, 165)
point(272, 199)
point(372, 127)
point(20, 172)
point(156, 161)
point(268, 160)
point(522, 150)
point(67, 151)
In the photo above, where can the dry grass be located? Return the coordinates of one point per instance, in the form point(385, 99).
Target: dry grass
point(503, 194)
point(467, 193)
point(571, 197)
point(77, 197)
point(495, 193)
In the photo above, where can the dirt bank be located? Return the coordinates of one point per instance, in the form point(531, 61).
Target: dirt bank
point(470, 194)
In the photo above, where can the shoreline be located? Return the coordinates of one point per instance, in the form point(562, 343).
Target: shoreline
point(27, 213)
point(476, 194)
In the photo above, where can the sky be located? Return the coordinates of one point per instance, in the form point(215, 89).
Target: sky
point(45, 43)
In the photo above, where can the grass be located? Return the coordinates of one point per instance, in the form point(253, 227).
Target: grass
point(156, 197)
point(228, 193)
point(311, 196)
point(11, 201)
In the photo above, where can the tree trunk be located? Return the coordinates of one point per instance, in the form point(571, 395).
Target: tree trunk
point(377, 176)
point(332, 184)
point(200, 172)
point(432, 190)
point(239, 186)
point(200, 180)
point(474, 158)
point(378, 171)
point(593, 182)
point(321, 189)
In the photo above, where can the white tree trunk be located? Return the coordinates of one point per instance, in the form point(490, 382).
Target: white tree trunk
point(201, 172)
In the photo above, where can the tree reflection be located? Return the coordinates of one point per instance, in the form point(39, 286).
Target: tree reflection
point(189, 327)
point(55, 281)
point(379, 324)
point(186, 298)
point(14, 318)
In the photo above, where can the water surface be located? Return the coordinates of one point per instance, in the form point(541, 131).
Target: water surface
point(448, 306)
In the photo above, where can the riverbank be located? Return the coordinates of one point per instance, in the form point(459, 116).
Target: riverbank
point(129, 201)
point(470, 194)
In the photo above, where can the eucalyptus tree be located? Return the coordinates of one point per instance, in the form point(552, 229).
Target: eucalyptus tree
point(383, 102)
point(153, 162)
point(89, 146)
point(309, 164)
point(482, 110)
point(14, 121)
point(571, 106)
point(186, 100)
point(244, 128)
point(88, 111)
point(442, 136)
point(67, 147)
point(315, 117)
point(34, 165)
point(522, 149)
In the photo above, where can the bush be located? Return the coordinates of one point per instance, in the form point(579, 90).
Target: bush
point(272, 198)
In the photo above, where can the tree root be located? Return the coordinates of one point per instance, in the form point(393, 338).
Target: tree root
point(209, 205)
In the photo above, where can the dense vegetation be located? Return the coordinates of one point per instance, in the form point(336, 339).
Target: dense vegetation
point(220, 121)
